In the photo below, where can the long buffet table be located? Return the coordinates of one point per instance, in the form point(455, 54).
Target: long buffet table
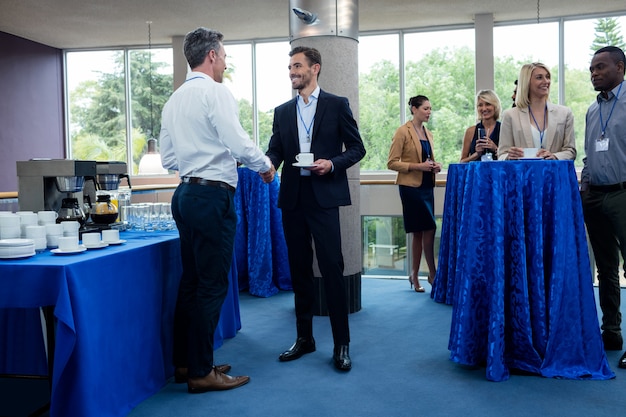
point(514, 264)
point(114, 312)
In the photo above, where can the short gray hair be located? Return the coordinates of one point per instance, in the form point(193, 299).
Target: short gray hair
point(199, 43)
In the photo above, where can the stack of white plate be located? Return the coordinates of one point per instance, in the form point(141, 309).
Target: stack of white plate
point(16, 248)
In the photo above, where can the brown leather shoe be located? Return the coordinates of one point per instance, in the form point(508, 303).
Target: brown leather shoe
point(215, 381)
point(180, 374)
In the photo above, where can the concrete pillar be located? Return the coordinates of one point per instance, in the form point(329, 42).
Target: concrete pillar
point(483, 29)
point(179, 61)
point(334, 32)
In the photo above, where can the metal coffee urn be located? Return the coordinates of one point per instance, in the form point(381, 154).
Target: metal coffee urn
point(44, 183)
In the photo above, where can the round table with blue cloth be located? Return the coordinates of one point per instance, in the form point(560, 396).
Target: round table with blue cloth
point(514, 264)
point(260, 247)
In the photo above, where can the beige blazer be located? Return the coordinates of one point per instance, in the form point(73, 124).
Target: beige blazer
point(558, 139)
point(405, 150)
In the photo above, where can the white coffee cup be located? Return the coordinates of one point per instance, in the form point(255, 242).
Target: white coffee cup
point(33, 232)
point(91, 239)
point(53, 232)
point(68, 243)
point(10, 220)
point(10, 232)
point(305, 158)
point(46, 217)
point(55, 229)
point(70, 228)
point(530, 152)
point(27, 218)
point(110, 235)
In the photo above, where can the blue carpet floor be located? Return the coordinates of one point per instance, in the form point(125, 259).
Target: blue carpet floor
point(400, 368)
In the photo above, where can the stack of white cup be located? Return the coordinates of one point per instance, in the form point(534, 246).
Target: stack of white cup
point(45, 217)
point(9, 225)
point(53, 232)
point(70, 228)
point(38, 235)
point(27, 218)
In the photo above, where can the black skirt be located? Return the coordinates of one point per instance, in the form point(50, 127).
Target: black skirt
point(417, 208)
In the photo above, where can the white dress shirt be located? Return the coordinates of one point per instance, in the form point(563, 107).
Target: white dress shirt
point(201, 135)
point(306, 119)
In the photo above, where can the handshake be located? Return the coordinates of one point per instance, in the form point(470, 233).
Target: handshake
point(268, 176)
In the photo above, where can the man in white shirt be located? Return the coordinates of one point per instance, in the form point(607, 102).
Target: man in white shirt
point(202, 139)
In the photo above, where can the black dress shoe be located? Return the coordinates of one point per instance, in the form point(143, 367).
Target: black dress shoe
point(612, 340)
point(341, 357)
point(622, 361)
point(303, 345)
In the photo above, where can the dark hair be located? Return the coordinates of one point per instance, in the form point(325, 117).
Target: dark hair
point(199, 43)
point(417, 101)
point(312, 55)
point(616, 54)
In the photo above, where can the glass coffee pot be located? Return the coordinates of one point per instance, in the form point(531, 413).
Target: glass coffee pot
point(104, 211)
point(70, 211)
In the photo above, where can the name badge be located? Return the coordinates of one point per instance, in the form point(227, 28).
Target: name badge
point(602, 145)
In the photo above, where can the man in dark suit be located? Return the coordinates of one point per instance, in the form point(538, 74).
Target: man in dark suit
point(310, 195)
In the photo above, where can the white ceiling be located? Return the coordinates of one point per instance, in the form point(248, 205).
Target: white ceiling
point(68, 24)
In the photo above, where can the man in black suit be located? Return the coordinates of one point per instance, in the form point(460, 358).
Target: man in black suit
point(320, 123)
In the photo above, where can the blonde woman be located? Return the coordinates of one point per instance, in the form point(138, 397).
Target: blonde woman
point(534, 122)
point(488, 109)
point(411, 155)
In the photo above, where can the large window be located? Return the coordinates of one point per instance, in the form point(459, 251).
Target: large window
point(379, 93)
point(238, 79)
point(114, 105)
point(102, 125)
point(96, 105)
point(273, 85)
point(440, 65)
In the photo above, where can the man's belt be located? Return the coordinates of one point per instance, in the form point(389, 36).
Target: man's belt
point(208, 183)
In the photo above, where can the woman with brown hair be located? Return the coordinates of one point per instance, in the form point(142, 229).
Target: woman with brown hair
point(411, 155)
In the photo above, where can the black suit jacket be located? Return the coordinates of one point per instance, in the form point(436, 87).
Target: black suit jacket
point(333, 129)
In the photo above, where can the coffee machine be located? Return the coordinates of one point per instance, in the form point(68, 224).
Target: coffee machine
point(52, 184)
point(107, 184)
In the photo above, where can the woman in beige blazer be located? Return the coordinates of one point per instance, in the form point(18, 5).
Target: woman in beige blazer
point(411, 155)
point(535, 122)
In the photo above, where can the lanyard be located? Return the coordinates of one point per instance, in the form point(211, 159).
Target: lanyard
point(604, 125)
point(308, 129)
point(541, 131)
point(193, 78)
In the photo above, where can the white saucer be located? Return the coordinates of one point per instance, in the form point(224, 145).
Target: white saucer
point(98, 246)
point(25, 255)
point(299, 165)
point(81, 248)
point(531, 158)
point(117, 242)
point(16, 242)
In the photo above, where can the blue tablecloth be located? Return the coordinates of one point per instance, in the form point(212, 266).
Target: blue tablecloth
point(260, 246)
point(114, 309)
point(514, 264)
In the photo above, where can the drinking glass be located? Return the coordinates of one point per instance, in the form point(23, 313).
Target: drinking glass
point(168, 219)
